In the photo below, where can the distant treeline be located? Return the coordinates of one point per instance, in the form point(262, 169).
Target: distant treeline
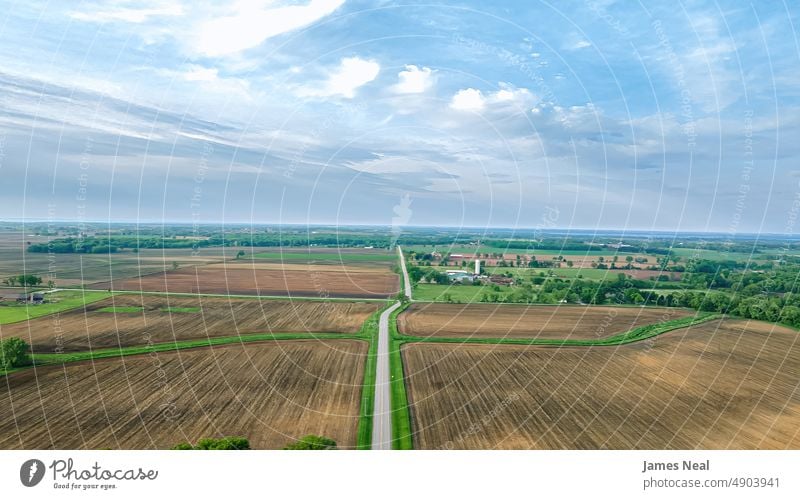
point(110, 243)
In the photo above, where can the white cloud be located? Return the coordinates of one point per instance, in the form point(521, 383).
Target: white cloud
point(414, 80)
point(507, 97)
point(129, 15)
point(468, 99)
point(255, 22)
point(200, 73)
point(581, 44)
point(352, 73)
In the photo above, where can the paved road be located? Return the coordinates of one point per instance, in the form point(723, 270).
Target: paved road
point(382, 416)
point(405, 272)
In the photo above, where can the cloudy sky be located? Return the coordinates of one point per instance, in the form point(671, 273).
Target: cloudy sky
point(590, 114)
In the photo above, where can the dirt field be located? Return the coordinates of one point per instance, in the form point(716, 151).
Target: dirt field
point(196, 317)
point(268, 392)
point(520, 321)
point(718, 385)
point(70, 269)
point(268, 280)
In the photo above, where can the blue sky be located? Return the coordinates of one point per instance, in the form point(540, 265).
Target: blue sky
point(595, 114)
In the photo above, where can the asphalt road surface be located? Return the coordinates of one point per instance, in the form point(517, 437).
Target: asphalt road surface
point(382, 417)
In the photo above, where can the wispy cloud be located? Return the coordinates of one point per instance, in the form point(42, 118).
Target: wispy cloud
point(136, 14)
point(255, 22)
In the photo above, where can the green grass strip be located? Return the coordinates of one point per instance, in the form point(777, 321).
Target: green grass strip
point(401, 417)
point(369, 330)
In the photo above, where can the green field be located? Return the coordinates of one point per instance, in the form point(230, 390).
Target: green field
point(457, 292)
point(61, 301)
point(705, 254)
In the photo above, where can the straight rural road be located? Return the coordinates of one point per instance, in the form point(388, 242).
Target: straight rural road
point(405, 272)
point(382, 417)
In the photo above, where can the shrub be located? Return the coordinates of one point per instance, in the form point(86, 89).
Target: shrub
point(224, 443)
point(312, 442)
point(14, 353)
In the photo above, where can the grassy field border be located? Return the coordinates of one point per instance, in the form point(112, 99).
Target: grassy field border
point(369, 332)
point(402, 438)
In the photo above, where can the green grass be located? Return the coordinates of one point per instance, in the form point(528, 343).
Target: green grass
point(369, 331)
point(707, 254)
point(335, 257)
point(62, 301)
point(401, 417)
point(181, 310)
point(121, 310)
point(465, 293)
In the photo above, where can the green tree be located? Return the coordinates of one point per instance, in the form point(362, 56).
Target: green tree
point(240, 254)
point(28, 280)
point(224, 443)
point(312, 442)
point(174, 265)
point(14, 353)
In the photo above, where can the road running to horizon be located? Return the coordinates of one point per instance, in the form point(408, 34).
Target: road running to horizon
point(382, 417)
point(406, 282)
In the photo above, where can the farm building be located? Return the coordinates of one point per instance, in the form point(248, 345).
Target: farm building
point(460, 276)
point(499, 279)
point(35, 298)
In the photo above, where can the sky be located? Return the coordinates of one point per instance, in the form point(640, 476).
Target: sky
point(677, 116)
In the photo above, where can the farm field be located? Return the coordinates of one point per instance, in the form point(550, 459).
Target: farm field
point(270, 393)
point(480, 320)
point(457, 292)
point(268, 279)
point(59, 301)
point(134, 320)
point(725, 384)
point(373, 257)
point(72, 269)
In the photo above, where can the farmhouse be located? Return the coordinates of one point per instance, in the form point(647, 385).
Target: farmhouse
point(35, 298)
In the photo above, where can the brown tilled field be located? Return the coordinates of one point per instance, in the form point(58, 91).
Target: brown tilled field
point(269, 392)
point(268, 280)
point(82, 329)
point(719, 385)
point(521, 321)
